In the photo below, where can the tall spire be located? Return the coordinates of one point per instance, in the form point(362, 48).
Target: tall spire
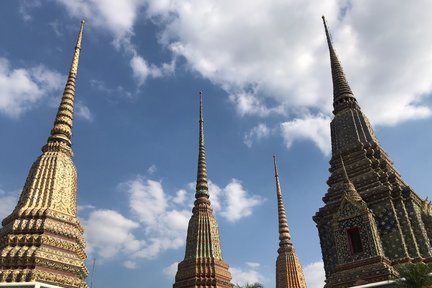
point(349, 128)
point(289, 273)
point(202, 182)
point(341, 89)
point(284, 234)
point(203, 265)
point(42, 239)
point(62, 129)
point(368, 229)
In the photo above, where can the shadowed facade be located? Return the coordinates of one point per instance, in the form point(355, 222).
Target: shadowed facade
point(371, 221)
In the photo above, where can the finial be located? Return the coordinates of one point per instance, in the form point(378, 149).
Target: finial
point(62, 130)
point(201, 113)
point(202, 182)
point(79, 39)
point(284, 234)
point(328, 36)
point(341, 89)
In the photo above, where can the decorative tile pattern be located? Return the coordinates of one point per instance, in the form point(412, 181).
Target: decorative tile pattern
point(395, 225)
point(289, 273)
point(203, 266)
point(42, 239)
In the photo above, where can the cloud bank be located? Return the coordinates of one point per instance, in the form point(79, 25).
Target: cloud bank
point(271, 56)
point(315, 274)
point(157, 221)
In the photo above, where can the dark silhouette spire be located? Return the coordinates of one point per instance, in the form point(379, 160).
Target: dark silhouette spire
point(342, 93)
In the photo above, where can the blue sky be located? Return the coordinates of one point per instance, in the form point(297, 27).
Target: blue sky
point(264, 68)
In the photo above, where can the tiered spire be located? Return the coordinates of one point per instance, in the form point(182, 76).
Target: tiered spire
point(203, 265)
point(350, 127)
point(202, 183)
point(42, 239)
point(285, 242)
point(289, 273)
point(62, 130)
point(341, 89)
point(370, 222)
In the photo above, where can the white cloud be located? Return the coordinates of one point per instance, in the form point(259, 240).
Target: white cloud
point(181, 197)
point(147, 199)
point(48, 79)
point(314, 128)
point(22, 89)
point(85, 207)
point(233, 202)
point(244, 276)
point(248, 103)
point(55, 25)
point(130, 264)
point(25, 6)
point(164, 223)
point(273, 64)
point(109, 233)
point(171, 270)
point(118, 18)
point(269, 54)
point(142, 70)
point(215, 195)
point(262, 56)
point(168, 233)
point(239, 203)
point(314, 274)
point(83, 112)
point(152, 169)
point(103, 87)
point(256, 134)
point(253, 264)
point(161, 219)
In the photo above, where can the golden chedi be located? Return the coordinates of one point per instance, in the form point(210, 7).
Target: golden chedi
point(41, 241)
point(289, 272)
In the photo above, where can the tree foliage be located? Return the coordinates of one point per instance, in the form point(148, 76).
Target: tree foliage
point(416, 275)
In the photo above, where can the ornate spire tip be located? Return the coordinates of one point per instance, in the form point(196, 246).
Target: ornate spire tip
point(275, 166)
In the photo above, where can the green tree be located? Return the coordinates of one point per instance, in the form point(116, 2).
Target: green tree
point(255, 285)
point(416, 275)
